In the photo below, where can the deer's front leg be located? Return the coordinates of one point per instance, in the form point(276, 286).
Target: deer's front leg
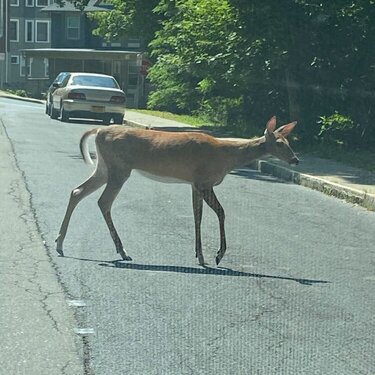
point(211, 199)
point(197, 209)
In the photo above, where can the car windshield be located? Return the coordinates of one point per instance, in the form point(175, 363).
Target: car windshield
point(97, 81)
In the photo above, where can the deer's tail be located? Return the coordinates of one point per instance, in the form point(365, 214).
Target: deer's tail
point(83, 146)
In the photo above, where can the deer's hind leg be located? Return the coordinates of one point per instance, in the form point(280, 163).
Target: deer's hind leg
point(116, 179)
point(97, 179)
point(197, 210)
point(210, 198)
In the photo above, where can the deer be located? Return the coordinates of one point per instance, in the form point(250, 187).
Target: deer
point(194, 158)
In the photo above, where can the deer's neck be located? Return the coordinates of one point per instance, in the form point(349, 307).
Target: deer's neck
point(245, 152)
point(242, 152)
point(256, 148)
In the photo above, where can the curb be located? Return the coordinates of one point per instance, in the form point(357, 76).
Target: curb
point(4, 94)
point(135, 124)
point(324, 186)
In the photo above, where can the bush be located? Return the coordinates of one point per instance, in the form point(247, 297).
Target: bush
point(337, 129)
point(21, 93)
point(221, 110)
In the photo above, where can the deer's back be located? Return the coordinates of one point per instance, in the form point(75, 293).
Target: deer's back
point(185, 156)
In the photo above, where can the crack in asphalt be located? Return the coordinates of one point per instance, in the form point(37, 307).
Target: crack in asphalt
point(32, 279)
point(30, 218)
point(82, 320)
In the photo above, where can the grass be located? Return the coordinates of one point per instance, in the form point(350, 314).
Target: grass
point(185, 119)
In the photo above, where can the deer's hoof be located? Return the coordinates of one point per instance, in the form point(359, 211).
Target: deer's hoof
point(202, 262)
point(218, 259)
point(59, 245)
point(125, 256)
point(60, 251)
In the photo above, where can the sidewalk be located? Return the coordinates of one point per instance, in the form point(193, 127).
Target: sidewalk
point(352, 184)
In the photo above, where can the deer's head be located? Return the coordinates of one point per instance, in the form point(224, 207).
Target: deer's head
point(276, 143)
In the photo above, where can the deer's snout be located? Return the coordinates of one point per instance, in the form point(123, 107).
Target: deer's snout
point(294, 161)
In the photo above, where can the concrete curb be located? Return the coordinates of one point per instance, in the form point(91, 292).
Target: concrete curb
point(4, 94)
point(135, 124)
point(324, 186)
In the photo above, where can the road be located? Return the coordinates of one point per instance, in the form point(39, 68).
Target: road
point(293, 295)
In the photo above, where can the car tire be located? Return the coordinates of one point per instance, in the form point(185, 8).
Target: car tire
point(107, 120)
point(54, 113)
point(118, 119)
point(64, 115)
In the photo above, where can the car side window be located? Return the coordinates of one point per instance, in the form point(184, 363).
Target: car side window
point(60, 78)
point(65, 81)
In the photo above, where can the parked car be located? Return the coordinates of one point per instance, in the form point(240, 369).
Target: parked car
point(87, 95)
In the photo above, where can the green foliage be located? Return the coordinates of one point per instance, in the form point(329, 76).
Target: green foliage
point(196, 53)
point(221, 110)
point(337, 129)
point(21, 93)
point(128, 17)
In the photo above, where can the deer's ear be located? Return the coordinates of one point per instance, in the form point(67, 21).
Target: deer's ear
point(270, 127)
point(286, 129)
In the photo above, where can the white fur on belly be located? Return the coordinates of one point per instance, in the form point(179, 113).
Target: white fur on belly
point(167, 180)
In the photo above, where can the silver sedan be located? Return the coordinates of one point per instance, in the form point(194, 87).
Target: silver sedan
point(88, 95)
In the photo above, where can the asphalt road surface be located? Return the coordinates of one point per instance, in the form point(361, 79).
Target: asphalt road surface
point(294, 293)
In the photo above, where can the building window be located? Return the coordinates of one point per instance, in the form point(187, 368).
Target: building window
point(42, 3)
point(46, 67)
point(1, 19)
point(73, 27)
point(29, 31)
point(23, 68)
point(134, 42)
point(14, 3)
point(14, 59)
point(14, 30)
point(29, 3)
point(42, 31)
point(133, 71)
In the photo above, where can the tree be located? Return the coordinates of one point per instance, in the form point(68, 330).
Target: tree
point(127, 17)
point(193, 51)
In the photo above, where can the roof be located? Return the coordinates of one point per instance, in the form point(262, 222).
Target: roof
point(81, 54)
point(92, 6)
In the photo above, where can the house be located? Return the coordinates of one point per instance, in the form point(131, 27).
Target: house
point(23, 26)
point(2, 39)
point(67, 43)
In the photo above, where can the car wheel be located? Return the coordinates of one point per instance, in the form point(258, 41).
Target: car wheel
point(64, 115)
point(54, 113)
point(118, 119)
point(107, 119)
